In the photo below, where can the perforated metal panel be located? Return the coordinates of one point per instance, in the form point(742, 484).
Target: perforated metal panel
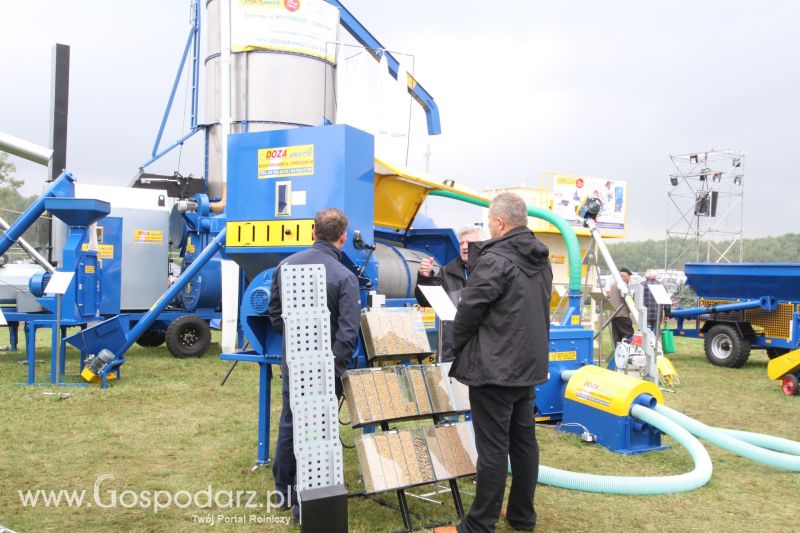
point(312, 393)
point(303, 288)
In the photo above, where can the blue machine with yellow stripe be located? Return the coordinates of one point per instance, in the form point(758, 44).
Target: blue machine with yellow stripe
point(597, 406)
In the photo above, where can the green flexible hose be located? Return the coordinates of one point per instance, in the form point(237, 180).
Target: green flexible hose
point(741, 443)
point(567, 232)
point(640, 485)
point(765, 441)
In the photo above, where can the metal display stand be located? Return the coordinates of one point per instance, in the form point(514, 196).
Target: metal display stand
point(312, 393)
point(401, 493)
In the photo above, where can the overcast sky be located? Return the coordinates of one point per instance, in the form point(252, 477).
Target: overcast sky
point(599, 88)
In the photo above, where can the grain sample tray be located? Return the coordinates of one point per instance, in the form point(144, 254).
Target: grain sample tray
point(400, 391)
point(403, 391)
point(438, 388)
point(352, 383)
point(459, 393)
point(394, 332)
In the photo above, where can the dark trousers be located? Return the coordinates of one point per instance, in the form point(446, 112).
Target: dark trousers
point(502, 418)
point(621, 328)
point(284, 465)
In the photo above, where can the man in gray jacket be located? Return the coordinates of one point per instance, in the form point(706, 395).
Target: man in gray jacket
point(501, 344)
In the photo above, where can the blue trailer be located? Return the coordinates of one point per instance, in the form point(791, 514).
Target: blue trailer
point(743, 306)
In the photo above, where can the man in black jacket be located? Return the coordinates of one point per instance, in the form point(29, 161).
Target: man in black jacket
point(501, 339)
point(451, 277)
point(330, 234)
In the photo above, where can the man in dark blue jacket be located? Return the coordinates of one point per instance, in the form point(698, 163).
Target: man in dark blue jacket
point(501, 343)
point(330, 234)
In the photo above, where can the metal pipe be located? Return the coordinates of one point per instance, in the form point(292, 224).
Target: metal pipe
point(61, 187)
point(188, 275)
point(33, 254)
point(621, 285)
point(765, 302)
point(24, 149)
point(225, 84)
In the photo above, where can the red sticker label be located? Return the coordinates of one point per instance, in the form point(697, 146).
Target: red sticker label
point(291, 5)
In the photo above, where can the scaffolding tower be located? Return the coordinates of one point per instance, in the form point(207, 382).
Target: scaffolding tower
point(705, 210)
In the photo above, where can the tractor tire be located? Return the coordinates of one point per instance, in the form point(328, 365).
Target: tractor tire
point(772, 353)
point(789, 385)
point(724, 346)
point(151, 339)
point(188, 336)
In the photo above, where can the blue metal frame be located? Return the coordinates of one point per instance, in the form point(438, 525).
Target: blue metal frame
point(750, 286)
point(193, 44)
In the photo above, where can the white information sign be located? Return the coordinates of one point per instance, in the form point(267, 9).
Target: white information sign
point(307, 27)
point(660, 294)
point(440, 301)
point(59, 283)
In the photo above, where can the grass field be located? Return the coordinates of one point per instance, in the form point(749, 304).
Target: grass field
point(170, 426)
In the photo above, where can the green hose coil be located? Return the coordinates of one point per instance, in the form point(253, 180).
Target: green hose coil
point(632, 485)
point(753, 446)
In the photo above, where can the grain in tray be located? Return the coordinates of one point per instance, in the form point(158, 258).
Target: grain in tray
point(426, 470)
point(371, 465)
point(356, 398)
point(387, 461)
point(401, 400)
point(384, 395)
point(366, 331)
point(371, 392)
point(409, 452)
point(464, 466)
point(437, 387)
point(447, 451)
point(467, 437)
point(437, 456)
point(417, 381)
point(403, 471)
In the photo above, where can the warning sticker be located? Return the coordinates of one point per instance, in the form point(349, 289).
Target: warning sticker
point(564, 356)
point(286, 161)
point(428, 317)
point(148, 236)
point(89, 269)
point(104, 251)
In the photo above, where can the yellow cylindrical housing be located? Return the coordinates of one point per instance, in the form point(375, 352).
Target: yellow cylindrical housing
point(607, 390)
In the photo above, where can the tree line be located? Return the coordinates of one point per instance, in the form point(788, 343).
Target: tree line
point(13, 203)
point(641, 255)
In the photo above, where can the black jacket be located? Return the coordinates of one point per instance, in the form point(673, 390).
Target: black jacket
point(502, 327)
point(343, 299)
point(452, 277)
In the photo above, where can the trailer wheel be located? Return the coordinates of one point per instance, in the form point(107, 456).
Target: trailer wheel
point(789, 385)
point(724, 346)
point(188, 336)
point(772, 353)
point(151, 339)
